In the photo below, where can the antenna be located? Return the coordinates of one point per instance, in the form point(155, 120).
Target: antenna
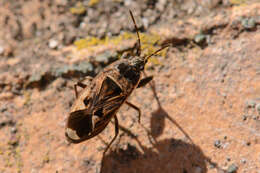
point(138, 37)
point(147, 57)
point(139, 41)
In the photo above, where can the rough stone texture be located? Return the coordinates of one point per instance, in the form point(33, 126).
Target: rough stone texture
point(203, 120)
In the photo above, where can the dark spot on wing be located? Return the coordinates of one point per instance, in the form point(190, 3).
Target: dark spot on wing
point(80, 122)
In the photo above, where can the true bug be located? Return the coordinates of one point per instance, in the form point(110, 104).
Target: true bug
point(102, 96)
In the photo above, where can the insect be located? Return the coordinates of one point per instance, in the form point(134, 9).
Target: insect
point(102, 96)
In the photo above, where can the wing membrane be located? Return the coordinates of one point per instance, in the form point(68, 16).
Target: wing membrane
point(110, 97)
point(104, 105)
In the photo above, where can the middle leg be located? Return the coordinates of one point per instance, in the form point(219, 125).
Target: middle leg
point(83, 84)
point(136, 108)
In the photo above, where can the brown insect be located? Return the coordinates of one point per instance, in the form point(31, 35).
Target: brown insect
point(102, 96)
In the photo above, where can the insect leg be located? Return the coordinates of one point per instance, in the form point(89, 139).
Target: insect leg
point(145, 81)
point(136, 108)
point(82, 84)
point(116, 133)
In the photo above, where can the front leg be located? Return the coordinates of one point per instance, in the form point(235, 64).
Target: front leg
point(144, 81)
point(83, 84)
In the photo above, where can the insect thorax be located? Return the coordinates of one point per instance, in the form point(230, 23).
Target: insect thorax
point(131, 69)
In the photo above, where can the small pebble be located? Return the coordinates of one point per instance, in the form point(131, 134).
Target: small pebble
point(1, 50)
point(255, 117)
point(13, 130)
point(63, 2)
point(248, 23)
point(161, 4)
point(145, 22)
point(258, 108)
point(200, 38)
point(53, 44)
point(228, 159)
point(225, 145)
point(127, 2)
point(33, 170)
point(250, 103)
point(8, 51)
point(198, 169)
point(243, 160)
point(217, 144)
point(232, 168)
point(13, 141)
point(3, 109)
point(244, 117)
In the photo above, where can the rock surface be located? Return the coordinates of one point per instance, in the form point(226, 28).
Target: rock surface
point(201, 113)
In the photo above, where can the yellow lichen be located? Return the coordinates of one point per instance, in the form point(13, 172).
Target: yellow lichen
point(27, 97)
point(46, 158)
point(149, 38)
point(78, 9)
point(146, 40)
point(148, 43)
point(93, 2)
point(237, 2)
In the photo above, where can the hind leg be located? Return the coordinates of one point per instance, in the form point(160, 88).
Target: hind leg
point(116, 133)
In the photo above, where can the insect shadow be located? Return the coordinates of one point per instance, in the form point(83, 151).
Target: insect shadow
point(171, 156)
point(157, 122)
point(168, 155)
